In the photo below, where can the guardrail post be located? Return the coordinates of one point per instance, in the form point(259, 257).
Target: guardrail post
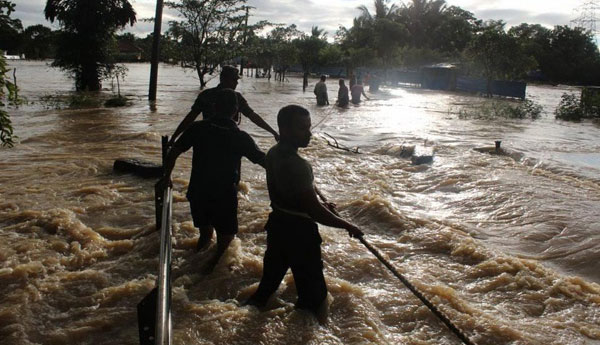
point(158, 193)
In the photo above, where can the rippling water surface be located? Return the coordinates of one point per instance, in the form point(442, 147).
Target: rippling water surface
point(507, 246)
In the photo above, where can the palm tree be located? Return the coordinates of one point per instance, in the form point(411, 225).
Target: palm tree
point(87, 32)
point(308, 49)
point(422, 17)
point(318, 33)
point(386, 31)
point(381, 11)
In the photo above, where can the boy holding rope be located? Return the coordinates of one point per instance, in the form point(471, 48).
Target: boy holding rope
point(293, 239)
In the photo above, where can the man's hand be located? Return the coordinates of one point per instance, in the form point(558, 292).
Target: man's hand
point(354, 231)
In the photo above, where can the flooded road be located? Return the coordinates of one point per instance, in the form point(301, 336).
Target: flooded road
point(507, 246)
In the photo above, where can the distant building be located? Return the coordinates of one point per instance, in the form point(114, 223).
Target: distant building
point(128, 51)
point(14, 57)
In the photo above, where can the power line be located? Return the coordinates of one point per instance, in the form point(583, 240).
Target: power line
point(587, 17)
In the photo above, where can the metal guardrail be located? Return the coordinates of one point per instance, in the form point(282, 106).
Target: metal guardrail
point(163, 310)
point(154, 310)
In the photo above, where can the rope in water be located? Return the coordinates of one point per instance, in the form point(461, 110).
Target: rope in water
point(322, 120)
point(460, 334)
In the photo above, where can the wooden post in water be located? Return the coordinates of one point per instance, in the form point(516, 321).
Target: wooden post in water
point(155, 51)
point(15, 82)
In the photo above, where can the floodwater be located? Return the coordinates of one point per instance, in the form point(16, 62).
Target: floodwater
point(506, 246)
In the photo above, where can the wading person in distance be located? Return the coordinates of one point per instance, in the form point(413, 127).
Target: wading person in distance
point(218, 146)
point(343, 99)
point(293, 239)
point(321, 92)
point(356, 91)
point(205, 104)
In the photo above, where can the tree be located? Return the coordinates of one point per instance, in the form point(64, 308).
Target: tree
point(355, 45)
point(261, 51)
point(87, 33)
point(10, 29)
point(571, 56)
point(210, 34)
point(382, 30)
point(38, 42)
point(8, 93)
point(495, 54)
point(309, 47)
point(454, 32)
point(8, 90)
point(330, 55)
point(285, 51)
point(422, 18)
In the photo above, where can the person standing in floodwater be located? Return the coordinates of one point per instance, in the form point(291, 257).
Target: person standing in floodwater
point(374, 83)
point(206, 99)
point(321, 92)
point(216, 163)
point(356, 91)
point(342, 99)
point(293, 239)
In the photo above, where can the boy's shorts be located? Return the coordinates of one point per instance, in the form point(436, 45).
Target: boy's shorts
point(220, 213)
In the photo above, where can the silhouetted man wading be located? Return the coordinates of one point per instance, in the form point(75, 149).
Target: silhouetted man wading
point(212, 192)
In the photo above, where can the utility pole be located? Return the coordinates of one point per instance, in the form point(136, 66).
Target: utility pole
point(588, 16)
point(155, 51)
point(244, 41)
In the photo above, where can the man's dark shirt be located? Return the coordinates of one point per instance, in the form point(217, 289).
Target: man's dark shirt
point(206, 100)
point(218, 148)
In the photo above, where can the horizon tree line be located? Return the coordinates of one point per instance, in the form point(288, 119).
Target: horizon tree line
point(212, 32)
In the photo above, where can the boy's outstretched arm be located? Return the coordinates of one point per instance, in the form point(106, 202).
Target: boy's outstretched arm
point(309, 201)
point(257, 120)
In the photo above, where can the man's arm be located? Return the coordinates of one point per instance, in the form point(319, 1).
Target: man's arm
point(257, 120)
point(250, 150)
point(170, 161)
point(169, 164)
point(187, 121)
point(318, 212)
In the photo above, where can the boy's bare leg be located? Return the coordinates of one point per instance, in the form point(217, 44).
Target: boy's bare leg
point(223, 242)
point(206, 234)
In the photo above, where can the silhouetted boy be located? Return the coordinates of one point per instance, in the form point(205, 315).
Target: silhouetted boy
point(293, 239)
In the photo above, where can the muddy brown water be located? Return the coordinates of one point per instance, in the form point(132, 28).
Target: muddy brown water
point(507, 246)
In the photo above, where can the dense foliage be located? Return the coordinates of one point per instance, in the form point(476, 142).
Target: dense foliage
point(85, 45)
point(211, 32)
point(574, 108)
point(10, 29)
point(384, 35)
point(8, 90)
point(8, 93)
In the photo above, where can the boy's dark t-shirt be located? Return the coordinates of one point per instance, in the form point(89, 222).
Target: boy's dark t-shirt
point(218, 148)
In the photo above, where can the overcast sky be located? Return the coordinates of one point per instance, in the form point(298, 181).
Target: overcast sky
point(330, 14)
